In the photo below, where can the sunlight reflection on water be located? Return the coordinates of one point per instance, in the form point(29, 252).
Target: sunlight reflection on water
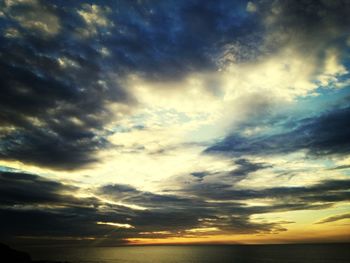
point(335, 253)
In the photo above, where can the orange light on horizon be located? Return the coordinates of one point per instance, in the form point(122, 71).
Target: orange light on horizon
point(298, 236)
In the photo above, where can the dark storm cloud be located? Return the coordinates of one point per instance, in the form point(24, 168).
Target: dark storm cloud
point(246, 167)
point(56, 81)
point(243, 225)
point(54, 89)
point(223, 206)
point(243, 169)
point(36, 208)
point(321, 192)
point(180, 214)
point(172, 38)
point(20, 188)
point(200, 175)
point(131, 195)
point(312, 26)
point(325, 134)
point(170, 213)
point(53, 222)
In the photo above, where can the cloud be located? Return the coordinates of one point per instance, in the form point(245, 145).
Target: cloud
point(180, 214)
point(57, 210)
point(340, 167)
point(169, 40)
point(51, 208)
point(243, 168)
point(136, 83)
point(33, 15)
point(95, 17)
point(246, 167)
point(202, 204)
point(243, 225)
point(57, 88)
point(118, 225)
point(200, 175)
point(130, 195)
point(311, 134)
point(21, 189)
point(55, 97)
point(334, 218)
point(251, 7)
point(315, 193)
point(312, 26)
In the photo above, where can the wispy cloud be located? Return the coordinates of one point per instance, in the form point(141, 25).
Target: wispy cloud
point(334, 218)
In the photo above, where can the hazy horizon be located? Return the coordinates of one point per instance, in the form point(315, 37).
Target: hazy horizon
point(174, 122)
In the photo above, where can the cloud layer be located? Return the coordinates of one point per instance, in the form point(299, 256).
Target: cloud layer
point(128, 121)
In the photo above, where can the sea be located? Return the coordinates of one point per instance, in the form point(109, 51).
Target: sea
point(306, 253)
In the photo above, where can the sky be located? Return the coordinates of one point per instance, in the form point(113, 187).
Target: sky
point(166, 122)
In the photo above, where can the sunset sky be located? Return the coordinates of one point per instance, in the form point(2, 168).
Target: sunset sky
point(148, 122)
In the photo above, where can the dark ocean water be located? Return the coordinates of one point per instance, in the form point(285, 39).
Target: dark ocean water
point(319, 253)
